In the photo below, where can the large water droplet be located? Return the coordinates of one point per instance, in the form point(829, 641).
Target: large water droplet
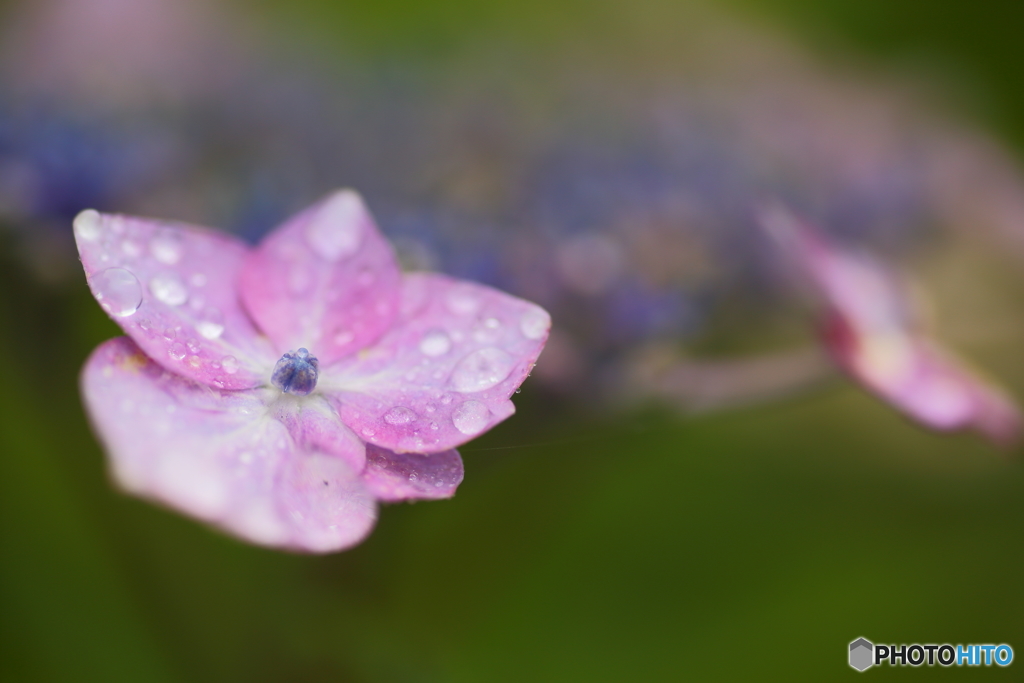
point(481, 370)
point(336, 231)
point(118, 291)
point(166, 247)
point(88, 225)
point(534, 323)
point(211, 324)
point(399, 415)
point(169, 289)
point(435, 343)
point(230, 364)
point(471, 417)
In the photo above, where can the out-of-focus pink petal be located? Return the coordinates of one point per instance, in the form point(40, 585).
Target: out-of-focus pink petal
point(851, 283)
point(918, 377)
point(871, 328)
point(221, 456)
point(394, 476)
point(326, 280)
point(171, 287)
point(446, 370)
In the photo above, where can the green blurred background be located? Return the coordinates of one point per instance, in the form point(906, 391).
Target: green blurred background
point(748, 545)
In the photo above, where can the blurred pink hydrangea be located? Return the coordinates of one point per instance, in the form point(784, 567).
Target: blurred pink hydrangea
point(875, 333)
point(279, 392)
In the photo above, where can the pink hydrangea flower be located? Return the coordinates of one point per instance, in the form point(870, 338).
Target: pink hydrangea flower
point(279, 392)
point(872, 328)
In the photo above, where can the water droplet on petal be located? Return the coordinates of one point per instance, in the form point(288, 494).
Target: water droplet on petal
point(463, 300)
point(130, 249)
point(534, 323)
point(166, 247)
point(88, 225)
point(212, 324)
point(336, 231)
point(344, 337)
point(399, 415)
point(210, 330)
point(118, 291)
point(471, 417)
point(177, 351)
point(481, 370)
point(435, 343)
point(230, 364)
point(170, 334)
point(169, 289)
point(368, 432)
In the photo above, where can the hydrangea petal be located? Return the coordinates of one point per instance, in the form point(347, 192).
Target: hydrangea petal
point(326, 280)
point(394, 476)
point(222, 456)
point(852, 283)
point(171, 287)
point(445, 372)
point(871, 328)
point(918, 377)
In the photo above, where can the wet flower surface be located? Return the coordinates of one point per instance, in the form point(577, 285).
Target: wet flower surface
point(872, 327)
point(279, 391)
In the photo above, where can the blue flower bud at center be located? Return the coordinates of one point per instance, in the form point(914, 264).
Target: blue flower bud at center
point(296, 373)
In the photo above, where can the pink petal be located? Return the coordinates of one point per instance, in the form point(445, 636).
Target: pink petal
point(445, 372)
point(171, 287)
point(924, 381)
point(872, 329)
point(222, 457)
point(394, 476)
point(326, 280)
point(852, 283)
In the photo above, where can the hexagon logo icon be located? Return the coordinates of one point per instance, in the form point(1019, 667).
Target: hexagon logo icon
point(861, 654)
